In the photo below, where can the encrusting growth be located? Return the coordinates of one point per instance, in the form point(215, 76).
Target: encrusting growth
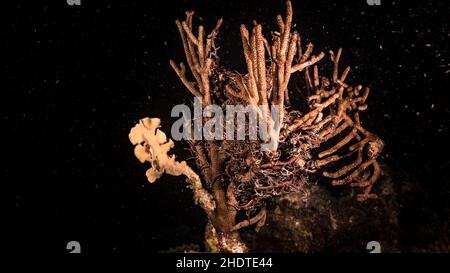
point(151, 145)
point(237, 177)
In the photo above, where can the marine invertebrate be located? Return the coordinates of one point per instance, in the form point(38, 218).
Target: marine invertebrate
point(326, 137)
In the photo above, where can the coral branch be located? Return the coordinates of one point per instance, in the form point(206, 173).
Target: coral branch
point(151, 145)
point(259, 219)
point(197, 56)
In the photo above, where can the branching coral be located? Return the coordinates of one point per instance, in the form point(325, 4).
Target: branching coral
point(238, 176)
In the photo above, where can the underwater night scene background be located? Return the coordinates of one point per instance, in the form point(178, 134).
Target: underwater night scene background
point(78, 78)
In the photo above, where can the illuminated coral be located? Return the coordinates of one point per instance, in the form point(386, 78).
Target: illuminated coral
point(152, 145)
point(239, 177)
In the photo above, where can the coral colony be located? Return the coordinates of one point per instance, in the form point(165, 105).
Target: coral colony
point(238, 175)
